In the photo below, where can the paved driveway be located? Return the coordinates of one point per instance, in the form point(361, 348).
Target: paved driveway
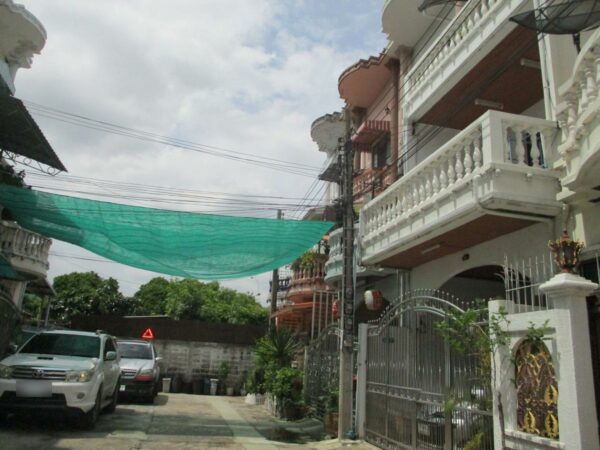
point(175, 421)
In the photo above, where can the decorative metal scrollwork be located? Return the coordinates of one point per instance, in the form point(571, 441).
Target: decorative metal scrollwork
point(537, 390)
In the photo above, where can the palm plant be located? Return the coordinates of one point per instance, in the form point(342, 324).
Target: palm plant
point(277, 348)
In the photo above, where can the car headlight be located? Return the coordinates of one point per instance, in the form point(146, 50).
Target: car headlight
point(145, 375)
point(79, 376)
point(5, 371)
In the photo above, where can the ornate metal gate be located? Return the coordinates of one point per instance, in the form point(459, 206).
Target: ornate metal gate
point(420, 393)
point(322, 371)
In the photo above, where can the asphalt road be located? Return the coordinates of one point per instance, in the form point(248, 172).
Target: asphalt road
point(175, 421)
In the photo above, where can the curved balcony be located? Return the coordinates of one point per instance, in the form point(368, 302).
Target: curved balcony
point(403, 23)
point(327, 130)
point(361, 83)
point(25, 251)
point(491, 179)
point(306, 280)
point(21, 36)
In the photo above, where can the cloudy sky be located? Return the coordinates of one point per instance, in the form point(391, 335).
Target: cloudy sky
point(242, 75)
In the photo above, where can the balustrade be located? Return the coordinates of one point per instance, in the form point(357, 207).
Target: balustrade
point(578, 96)
point(456, 35)
point(17, 241)
point(496, 139)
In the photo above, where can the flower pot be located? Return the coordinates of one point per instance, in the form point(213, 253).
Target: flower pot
point(331, 423)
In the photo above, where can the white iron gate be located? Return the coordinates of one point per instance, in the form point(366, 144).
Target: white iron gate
point(421, 393)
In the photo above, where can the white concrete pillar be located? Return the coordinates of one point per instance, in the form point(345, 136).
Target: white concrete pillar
point(361, 380)
point(503, 388)
point(576, 400)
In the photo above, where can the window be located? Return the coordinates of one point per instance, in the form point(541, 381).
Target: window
point(132, 350)
point(382, 152)
point(109, 346)
point(63, 344)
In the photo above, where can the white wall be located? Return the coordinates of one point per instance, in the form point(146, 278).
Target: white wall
point(426, 140)
point(528, 242)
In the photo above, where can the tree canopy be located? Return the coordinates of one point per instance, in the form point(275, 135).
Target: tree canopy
point(89, 294)
point(86, 293)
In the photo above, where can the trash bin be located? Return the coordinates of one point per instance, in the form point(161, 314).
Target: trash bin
point(214, 382)
point(166, 384)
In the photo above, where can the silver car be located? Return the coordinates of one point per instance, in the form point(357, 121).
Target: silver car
point(140, 370)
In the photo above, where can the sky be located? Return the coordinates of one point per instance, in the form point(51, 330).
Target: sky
point(243, 75)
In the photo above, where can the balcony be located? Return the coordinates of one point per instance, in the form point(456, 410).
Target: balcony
point(491, 179)
point(371, 182)
point(27, 252)
point(578, 115)
point(479, 27)
point(21, 36)
point(334, 266)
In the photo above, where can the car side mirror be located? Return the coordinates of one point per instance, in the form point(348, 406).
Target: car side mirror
point(158, 359)
point(110, 356)
point(12, 349)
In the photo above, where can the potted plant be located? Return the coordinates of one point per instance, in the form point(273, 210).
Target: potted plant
point(331, 413)
point(223, 375)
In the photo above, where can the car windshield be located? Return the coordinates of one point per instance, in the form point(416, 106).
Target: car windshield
point(63, 344)
point(131, 350)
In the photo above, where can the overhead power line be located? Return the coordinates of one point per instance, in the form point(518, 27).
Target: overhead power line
point(295, 168)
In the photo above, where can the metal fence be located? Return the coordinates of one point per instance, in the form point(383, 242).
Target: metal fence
point(522, 279)
point(413, 376)
point(322, 371)
point(322, 314)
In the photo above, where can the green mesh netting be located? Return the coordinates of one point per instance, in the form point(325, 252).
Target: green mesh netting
point(202, 246)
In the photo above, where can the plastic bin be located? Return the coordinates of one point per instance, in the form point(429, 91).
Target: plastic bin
point(166, 385)
point(214, 383)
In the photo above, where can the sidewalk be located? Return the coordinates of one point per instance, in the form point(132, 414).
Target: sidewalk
point(285, 434)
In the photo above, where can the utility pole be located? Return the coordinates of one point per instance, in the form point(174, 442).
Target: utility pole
point(347, 306)
point(274, 290)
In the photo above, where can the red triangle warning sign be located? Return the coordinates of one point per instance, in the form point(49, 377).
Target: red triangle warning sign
point(148, 334)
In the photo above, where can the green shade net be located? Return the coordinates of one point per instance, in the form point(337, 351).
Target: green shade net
point(184, 244)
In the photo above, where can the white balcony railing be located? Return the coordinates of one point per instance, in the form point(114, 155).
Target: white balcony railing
point(25, 250)
point(333, 266)
point(476, 25)
point(508, 155)
point(579, 100)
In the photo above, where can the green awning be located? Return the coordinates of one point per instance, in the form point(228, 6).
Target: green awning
point(20, 134)
point(202, 246)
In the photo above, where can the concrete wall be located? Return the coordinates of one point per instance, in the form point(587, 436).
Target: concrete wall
point(198, 360)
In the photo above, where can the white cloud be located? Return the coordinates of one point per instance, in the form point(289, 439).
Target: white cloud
point(244, 75)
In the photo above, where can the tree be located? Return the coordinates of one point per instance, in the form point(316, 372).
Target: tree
point(151, 297)
point(184, 299)
point(229, 306)
point(86, 293)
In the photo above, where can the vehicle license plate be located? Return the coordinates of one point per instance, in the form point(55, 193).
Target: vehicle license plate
point(423, 429)
point(34, 388)
point(122, 388)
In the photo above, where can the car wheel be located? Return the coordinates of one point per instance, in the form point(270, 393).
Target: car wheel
point(89, 419)
point(113, 400)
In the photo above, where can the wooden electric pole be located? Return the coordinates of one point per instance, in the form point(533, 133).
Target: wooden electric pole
point(274, 290)
point(347, 316)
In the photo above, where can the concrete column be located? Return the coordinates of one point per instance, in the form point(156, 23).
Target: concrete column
point(502, 383)
point(361, 381)
point(576, 400)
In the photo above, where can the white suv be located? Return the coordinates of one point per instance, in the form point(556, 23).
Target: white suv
point(74, 372)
